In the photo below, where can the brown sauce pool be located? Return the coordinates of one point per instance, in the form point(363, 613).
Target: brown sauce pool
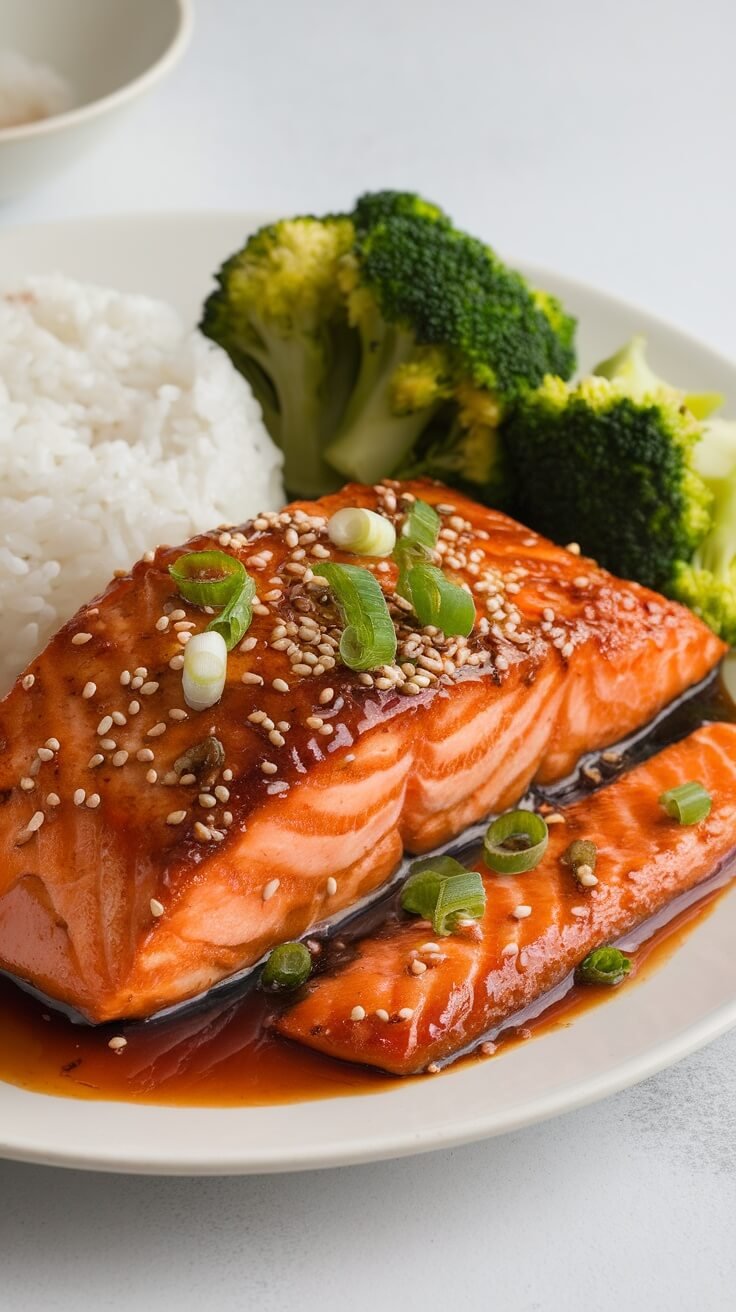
point(222, 1053)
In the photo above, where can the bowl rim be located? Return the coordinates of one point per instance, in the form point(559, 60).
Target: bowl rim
point(155, 71)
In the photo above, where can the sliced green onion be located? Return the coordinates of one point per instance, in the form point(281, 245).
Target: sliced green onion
point(436, 600)
point(204, 670)
point(362, 531)
point(288, 966)
point(234, 620)
point(441, 890)
point(461, 896)
point(688, 803)
point(422, 525)
point(581, 856)
point(604, 966)
point(368, 637)
point(515, 842)
point(208, 578)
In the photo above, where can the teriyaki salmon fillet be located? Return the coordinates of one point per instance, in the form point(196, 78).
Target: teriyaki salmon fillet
point(148, 851)
point(406, 1002)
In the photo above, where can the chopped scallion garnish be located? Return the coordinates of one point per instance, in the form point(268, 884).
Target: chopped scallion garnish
point(204, 670)
point(441, 890)
point(362, 531)
point(208, 578)
point(368, 637)
point(288, 966)
point(434, 598)
point(687, 803)
point(515, 842)
point(604, 966)
point(211, 578)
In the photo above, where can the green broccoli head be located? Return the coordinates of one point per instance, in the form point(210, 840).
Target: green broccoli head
point(438, 315)
point(707, 582)
point(280, 314)
point(611, 472)
point(375, 206)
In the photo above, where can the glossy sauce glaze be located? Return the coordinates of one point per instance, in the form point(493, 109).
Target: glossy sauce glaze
point(222, 1053)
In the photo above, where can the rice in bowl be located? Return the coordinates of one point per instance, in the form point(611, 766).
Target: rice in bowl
point(118, 430)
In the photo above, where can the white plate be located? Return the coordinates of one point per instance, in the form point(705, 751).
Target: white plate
point(689, 1001)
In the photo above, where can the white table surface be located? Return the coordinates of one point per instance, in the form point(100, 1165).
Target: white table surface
point(598, 140)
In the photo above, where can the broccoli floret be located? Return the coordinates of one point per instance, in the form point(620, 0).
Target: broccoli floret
point(707, 582)
point(279, 313)
point(629, 467)
point(440, 320)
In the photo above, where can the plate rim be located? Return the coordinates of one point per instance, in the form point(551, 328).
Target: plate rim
point(351, 1148)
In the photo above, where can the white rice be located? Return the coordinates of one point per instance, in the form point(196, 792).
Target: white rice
point(118, 431)
point(30, 91)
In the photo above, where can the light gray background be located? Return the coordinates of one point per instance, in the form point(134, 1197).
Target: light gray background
point(598, 140)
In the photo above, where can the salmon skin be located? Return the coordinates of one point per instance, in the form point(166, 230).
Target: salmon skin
point(129, 883)
point(478, 977)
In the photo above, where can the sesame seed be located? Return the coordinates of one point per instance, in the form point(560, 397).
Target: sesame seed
point(585, 877)
point(227, 818)
point(89, 690)
point(579, 911)
point(176, 662)
point(314, 721)
point(510, 950)
point(326, 696)
point(125, 678)
point(270, 888)
point(176, 817)
point(567, 650)
point(488, 1049)
point(201, 832)
point(151, 776)
point(183, 638)
point(174, 616)
point(28, 682)
point(120, 758)
point(555, 818)
point(45, 754)
point(119, 718)
point(207, 800)
point(573, 548)
point(182, 625)
point(331, 886)
point(53, 799)
point(302, 668)
point(268, 767)
point(157, 730)
point(148, 689)
point(177, 713)
point(251, 678)
point(144, 754)
point(280, 685)
point(521, 912)
point(382, 1014)
point(548, 614)
point(108, 744)
point(35, 821)
point(79, 639)
point(406, 1013)
point(227, 776)
point(162, 623)
point(358, 1013)
point(418, 967)
point(118, 1043)
point(79, 796)
point(326, 730)
point(93, 801)
point(157, 908)
point(105, 724)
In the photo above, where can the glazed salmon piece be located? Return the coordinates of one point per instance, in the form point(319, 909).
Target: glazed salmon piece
point(478, 977)
point(124, 889)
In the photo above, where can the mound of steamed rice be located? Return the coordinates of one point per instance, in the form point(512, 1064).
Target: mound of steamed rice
point(118, 431)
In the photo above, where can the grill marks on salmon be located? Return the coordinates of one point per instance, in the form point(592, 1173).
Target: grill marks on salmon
point(479, 977)
point(327, 775)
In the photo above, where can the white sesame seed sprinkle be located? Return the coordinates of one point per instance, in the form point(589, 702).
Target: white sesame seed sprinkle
point(382, 1014)
point(162, 623)
point(151, 776)
point(93, 801)
point(108, 744)
point(28, 682)
point(358, 1013)
point(105, 724)
point(510, 950)
point(120, 758)
point(268, 767)
point(79, 796)
point(53, 799)
point(207, 800)
point(406, 1013)
point(157, 908)
point(144, 754)
point(579, 911)
point(176, 662)
point(227, 776)
point(521, 912)
point(331, 886)
point(95, 760)
point(270, 888)
point(80, 639)
point(45, 754)
point(176, 817)
point(118, 1043)
point(125, 678)
point(280, 685)
point(89, 690)
point(157, 730)
point(248, 677)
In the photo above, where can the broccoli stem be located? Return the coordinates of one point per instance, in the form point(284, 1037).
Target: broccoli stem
point(717, 552)
point(373, 441)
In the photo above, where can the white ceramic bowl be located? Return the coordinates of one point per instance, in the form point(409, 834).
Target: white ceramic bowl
point(109, 51)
